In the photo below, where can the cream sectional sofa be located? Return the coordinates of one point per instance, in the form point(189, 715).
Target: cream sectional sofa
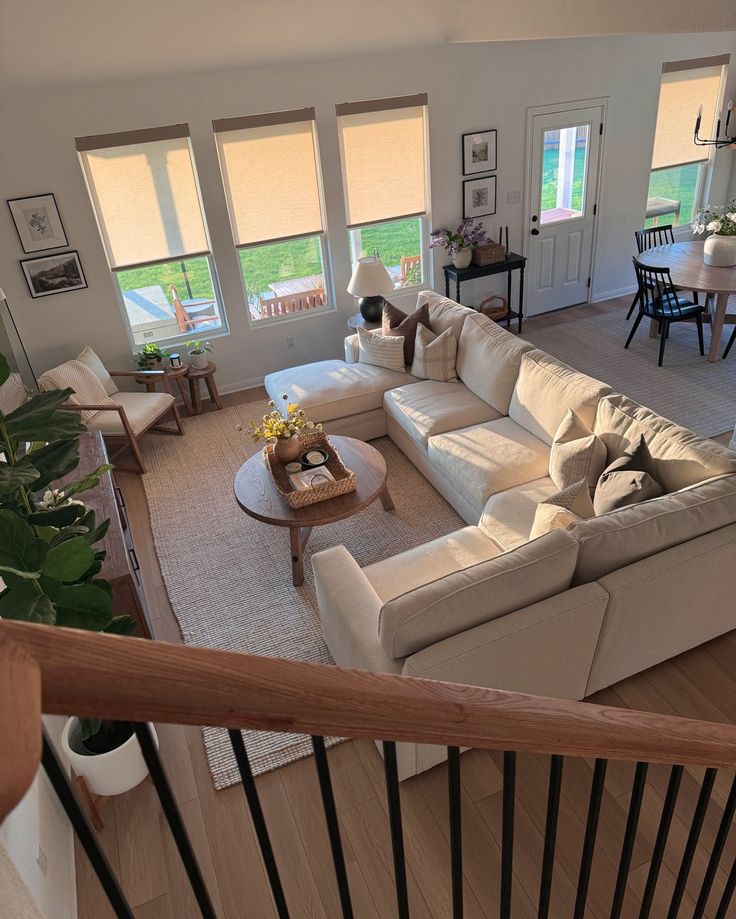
point(563, 615)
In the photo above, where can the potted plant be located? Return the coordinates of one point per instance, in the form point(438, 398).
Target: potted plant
point(50, 562)
point(720, 222)
point(198, 352)
point(281, 427)
point(460, 242)
point(151, 356)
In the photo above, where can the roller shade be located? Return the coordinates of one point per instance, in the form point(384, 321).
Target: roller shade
point(683, 91)
point(269, 168)
point(382, 145)
point(145, 196)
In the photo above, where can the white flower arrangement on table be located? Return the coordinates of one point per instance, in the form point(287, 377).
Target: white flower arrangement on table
point(719, 220)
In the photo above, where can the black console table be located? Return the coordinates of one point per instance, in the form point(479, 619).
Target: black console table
point(511, 263)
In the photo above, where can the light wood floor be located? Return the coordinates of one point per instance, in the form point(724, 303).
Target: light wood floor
point(700, 684)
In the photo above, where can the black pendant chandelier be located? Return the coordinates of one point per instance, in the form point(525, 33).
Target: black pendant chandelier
point(719, 140)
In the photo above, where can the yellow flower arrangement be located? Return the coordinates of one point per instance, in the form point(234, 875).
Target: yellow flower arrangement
point(280, 424)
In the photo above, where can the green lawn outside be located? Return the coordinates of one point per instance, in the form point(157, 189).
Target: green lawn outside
point(550, 162)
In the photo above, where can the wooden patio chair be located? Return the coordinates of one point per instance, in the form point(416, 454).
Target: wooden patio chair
point(121, 417)
point(293, 303)
point(187, 316)
point(410, 265)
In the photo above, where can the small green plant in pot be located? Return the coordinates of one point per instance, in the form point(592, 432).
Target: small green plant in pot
point(151, 356)
point(199, 352)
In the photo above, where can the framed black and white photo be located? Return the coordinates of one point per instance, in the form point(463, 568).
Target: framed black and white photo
point(38, 223)
point(479, 152)
point(53, 274)
point(479, 197)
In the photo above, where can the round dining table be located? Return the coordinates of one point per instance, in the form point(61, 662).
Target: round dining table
point(690, 273)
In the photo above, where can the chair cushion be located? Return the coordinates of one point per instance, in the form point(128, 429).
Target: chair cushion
point(681, 457)
point(90, 358)
point(88, 390)
point(434, 355)
point(448, 603)
point(508, 516)
point(677, 307)
point(327, 390)
point(13, 394)
point(141, 408)
point(381, 350)
point(488, 359)
point(430, 407)
point(545, 390)
point(576, 453)
point(395, 322)
point(444, 313)
point(487, 458)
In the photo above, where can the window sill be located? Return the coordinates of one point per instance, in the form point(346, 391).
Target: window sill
point(271, 321)
point(170, 344)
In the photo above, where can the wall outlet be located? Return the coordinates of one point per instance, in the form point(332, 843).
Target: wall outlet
point(41, 860)
point(513, 197)
point(290, 343)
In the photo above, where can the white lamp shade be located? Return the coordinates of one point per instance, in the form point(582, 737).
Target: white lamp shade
point(370, 278)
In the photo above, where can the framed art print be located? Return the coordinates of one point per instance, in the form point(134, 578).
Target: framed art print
point(479, 197)
point(479, 152)
point(38, 223)
point(53, 274)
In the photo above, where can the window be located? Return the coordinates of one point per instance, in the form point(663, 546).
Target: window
point(564, 170)
point(144, 192)
point(383, 153)
point(272, 184)
point(678, 165)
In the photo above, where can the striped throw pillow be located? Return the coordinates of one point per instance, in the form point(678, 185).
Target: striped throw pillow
point(434, 355)
point(381, 350)
point(576, 453)
point(88, 389)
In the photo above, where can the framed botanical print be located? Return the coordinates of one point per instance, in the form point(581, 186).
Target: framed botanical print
point(53, 274)
point(479, 152)
point(479, 197)
point(38, 223)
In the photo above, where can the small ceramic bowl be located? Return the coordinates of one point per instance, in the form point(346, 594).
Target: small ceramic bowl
point(291, 468)
point(311, 459)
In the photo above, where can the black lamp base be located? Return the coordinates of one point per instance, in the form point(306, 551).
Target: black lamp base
point(371, 308)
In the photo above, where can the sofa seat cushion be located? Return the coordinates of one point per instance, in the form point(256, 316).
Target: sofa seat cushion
point(487, 458)
point(546, 389)
point(488, 359)
point(430, 407)
point(328, 390)
point(447, 603)
point(508, 516)
point(681, 458)
point(141, 408)
point(409, 570)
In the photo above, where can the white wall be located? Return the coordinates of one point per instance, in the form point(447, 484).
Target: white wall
point(470, 87)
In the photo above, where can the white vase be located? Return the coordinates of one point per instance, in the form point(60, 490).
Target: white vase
point(110, 773)
point(462, 258)
point(199, 361)
point(720, 251)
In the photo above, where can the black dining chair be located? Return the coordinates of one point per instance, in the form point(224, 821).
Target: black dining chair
point(649, 238)
point(731, 340)
point(659, 300)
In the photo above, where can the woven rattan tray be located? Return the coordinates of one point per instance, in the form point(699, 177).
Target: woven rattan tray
point(344, 478)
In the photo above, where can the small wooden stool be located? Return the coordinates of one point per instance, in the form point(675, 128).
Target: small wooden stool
point(169, 376)
point(195, 377)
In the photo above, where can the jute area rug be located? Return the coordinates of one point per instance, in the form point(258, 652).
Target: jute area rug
point(688, 389)
point(228, 577)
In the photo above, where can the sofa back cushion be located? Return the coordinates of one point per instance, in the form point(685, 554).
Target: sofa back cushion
point(632, 533)
point(488, 359)
point(546, 389)
point(479, 593)
point(681, 458)
point(444, 313)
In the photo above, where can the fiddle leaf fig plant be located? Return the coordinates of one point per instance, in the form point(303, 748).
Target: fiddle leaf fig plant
point(49, 561)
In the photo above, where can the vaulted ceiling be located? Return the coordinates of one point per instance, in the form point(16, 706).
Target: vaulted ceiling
point(47, 42)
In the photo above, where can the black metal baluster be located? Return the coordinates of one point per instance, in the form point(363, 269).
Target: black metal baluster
point(668, 809)
point(456, 830)
point(728, 891)
point(591, 831)
point(717, 852)
point(259, 822)
point(174, 820)
point(692, 841)
point(627, 848)
point(333, 828)
point(397, 835)
point(85, 835)
point(550, 834)
point(507, 833)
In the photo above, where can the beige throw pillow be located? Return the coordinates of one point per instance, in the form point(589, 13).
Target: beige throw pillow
point(576, 453)
point(561, 510)
point(434, 355)
point(88, 390)
point(630, 479)
point(381, 350)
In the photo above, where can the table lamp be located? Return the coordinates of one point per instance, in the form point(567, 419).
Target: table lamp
point(370, 283)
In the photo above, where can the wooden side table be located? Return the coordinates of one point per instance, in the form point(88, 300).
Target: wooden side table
point(511, 263)
point(356, 322)
point(195, 378)
point(169, 376)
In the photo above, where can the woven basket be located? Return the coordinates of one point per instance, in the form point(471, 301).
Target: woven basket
point(344, 478)
point(494, 307)
point(488, 254)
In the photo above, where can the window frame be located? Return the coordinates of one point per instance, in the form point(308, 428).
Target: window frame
point(423, 250)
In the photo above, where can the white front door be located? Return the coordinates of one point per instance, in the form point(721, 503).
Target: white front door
point(562, 182)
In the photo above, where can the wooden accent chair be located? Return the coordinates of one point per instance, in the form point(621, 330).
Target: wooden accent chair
point(187, 317)
point(121, 417)
point(293, 303)
point(410, 265)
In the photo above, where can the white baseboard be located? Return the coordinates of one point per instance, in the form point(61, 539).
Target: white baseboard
point(612, 294)
point(240, 385)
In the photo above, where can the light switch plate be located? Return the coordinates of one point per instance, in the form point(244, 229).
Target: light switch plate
point(513, 197)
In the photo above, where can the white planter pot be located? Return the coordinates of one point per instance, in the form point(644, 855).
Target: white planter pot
point(720, 251)
point(462, 258)
point(199, 361)
point(105, 773)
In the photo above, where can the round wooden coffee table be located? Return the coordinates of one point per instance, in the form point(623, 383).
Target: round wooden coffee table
point(256, 495)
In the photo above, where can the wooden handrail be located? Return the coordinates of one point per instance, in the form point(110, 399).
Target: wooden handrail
point(130, 679)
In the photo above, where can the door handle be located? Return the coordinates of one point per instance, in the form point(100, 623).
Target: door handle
point(535, 232)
